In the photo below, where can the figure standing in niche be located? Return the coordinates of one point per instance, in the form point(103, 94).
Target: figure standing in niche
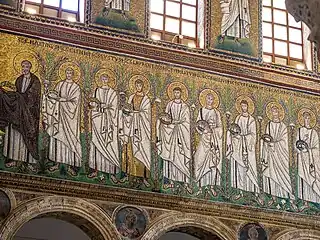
point(62, 118)
point(19, 117)
point(236, 19)
point(241, 147)
point(135, 129)
point(308, 156)
point(123, 5)
point(208, 156)
point(104, 150)
point(275, 154)
point(174, 139)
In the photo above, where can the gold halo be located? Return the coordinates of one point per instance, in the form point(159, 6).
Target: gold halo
point(74, 66)
point(26, 55)
point(275, 104)
point(146, 83)
point(313, 120)
point(111, 75)
point(203, 96)
point(184, 90)
point(249, 101)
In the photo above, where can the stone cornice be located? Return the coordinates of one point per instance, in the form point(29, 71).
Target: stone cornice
point(141, 47)
point(44, 185)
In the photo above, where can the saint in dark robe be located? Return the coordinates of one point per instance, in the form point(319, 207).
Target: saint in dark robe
point(19, 117)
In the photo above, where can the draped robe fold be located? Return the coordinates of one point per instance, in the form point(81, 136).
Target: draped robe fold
point(308, 177)
point(63, 124)
point(174, 144)
point(19, 118)
point(104, 150)
point(242, 154)
point(276, 178)
point(136, 130)
point(236, 23)
point(208, 156)
point(118, 4)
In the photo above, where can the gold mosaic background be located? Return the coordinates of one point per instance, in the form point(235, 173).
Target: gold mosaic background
point(15, 48)
point(216, 23)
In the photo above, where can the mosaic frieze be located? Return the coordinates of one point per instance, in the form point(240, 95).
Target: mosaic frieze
point(118, 121)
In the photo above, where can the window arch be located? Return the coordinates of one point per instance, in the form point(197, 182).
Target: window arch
point(284, 40)
point(178, 21)
point(72, 11)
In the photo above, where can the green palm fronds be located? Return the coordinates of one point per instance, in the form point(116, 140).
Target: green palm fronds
point(293, 108)
point(49, 65)
point(156, 84)
point(260, 104)
point(227, 99)
point(122, 78)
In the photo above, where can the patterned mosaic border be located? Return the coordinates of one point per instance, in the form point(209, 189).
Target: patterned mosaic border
point(175, 203)
point(205, 60)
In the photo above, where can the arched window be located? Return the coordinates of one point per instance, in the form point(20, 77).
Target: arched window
point(71, 10)
point(284, 40)
point(178, 21)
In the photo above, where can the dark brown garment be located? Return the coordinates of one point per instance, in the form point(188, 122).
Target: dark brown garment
point(22, 111)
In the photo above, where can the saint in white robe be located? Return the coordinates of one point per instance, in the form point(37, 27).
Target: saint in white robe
point(308, 165)
point(63, 124)
point(208, 157)
point(118, 4)
point(241, 152)
point(275, 159)
point(104, 150)
point(174, 142)
point(236, 20)
point(135, 129)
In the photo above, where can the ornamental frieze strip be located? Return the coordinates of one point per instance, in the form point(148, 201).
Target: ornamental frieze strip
point(142, 48)
point(26, 183)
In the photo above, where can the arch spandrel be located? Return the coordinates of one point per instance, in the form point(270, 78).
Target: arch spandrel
point(40, 206)
point(171, 221)
point(297, 234)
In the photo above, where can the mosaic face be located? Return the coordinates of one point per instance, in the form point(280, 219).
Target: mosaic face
point(130, 222)
point(253, 232)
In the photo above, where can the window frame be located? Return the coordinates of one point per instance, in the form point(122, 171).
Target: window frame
point(59, 9)
point(175, 36)
point(288, 57)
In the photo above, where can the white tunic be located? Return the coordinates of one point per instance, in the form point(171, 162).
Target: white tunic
point(104, 150)
point(63, 124)
point(241, 151)
point(236, 21)
point(174, 143)
point(118, 4)
point(137, 127)
point(276, 178)
point(308, 165)
point(208, 157)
